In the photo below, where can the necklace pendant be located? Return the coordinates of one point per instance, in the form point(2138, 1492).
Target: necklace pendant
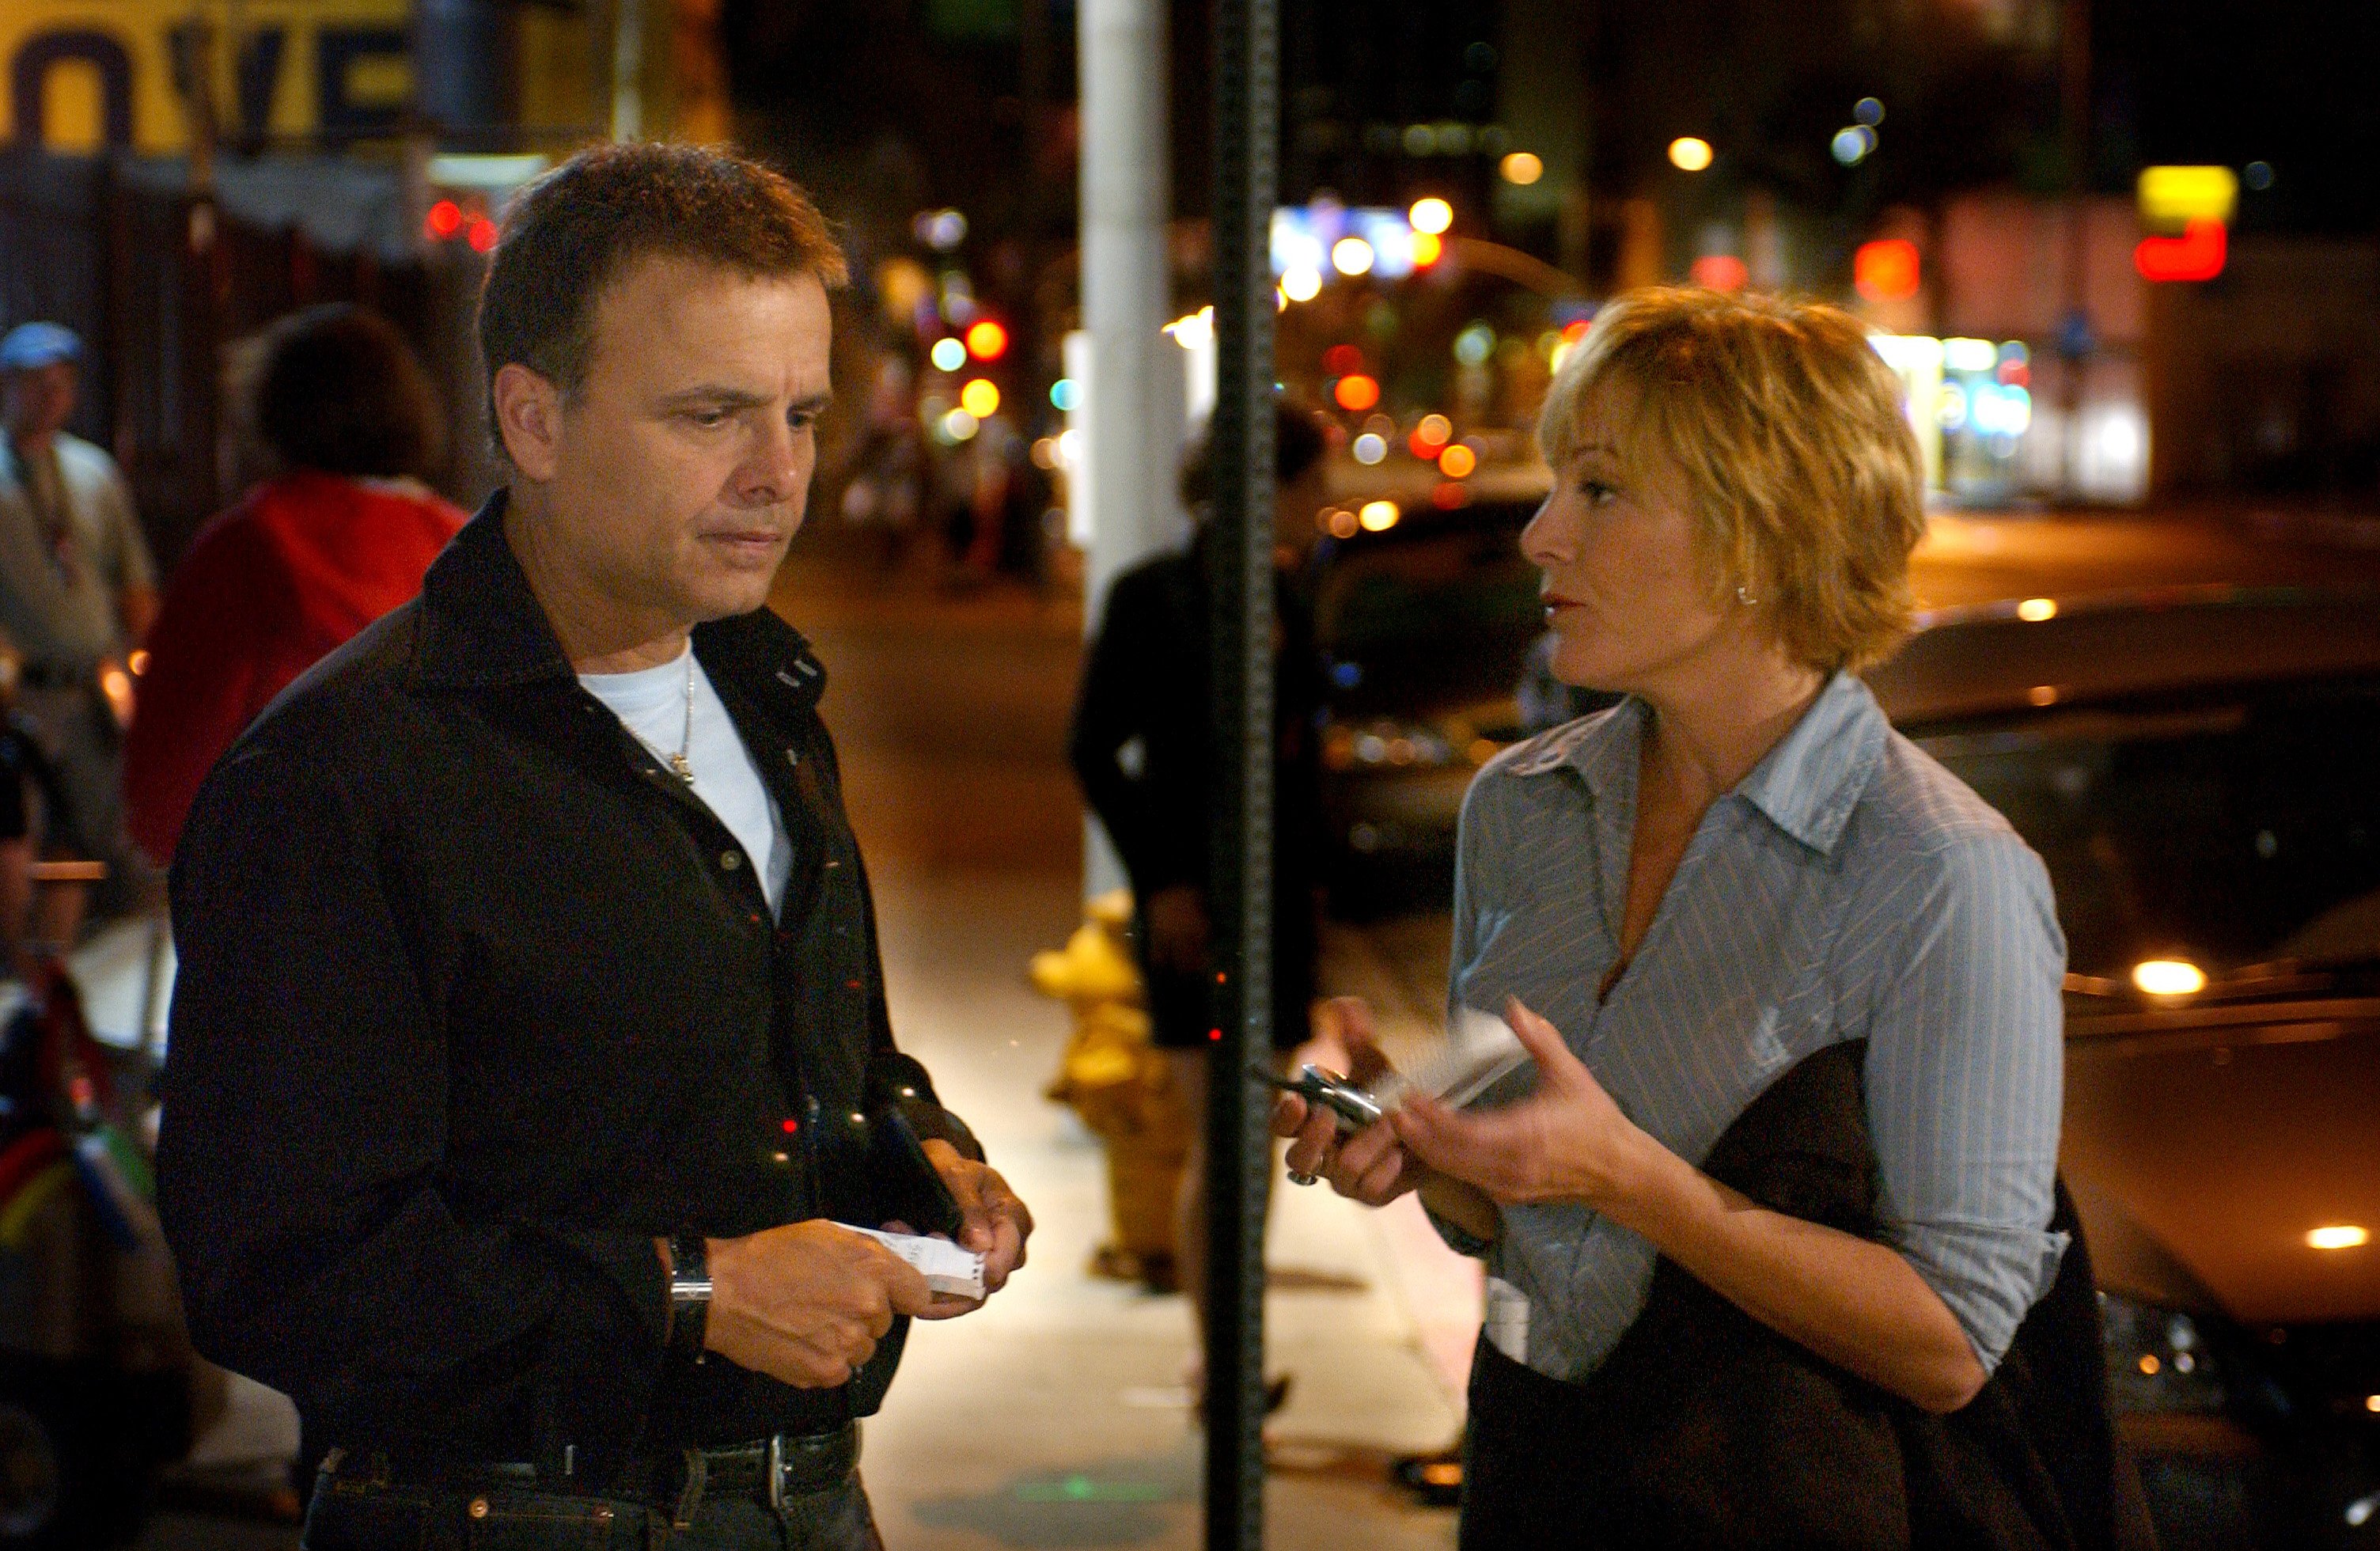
point(684, 769)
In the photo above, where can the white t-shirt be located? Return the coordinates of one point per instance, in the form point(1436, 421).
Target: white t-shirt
point(650, 703)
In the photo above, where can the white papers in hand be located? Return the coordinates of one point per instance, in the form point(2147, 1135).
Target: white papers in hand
point(1481, 1050)
point(945, 1266)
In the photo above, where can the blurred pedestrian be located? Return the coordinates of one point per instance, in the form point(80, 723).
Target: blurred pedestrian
point(886, 472)
point(338, 536)
point(1144, 749)
point(531, 1065)
point(78, 590)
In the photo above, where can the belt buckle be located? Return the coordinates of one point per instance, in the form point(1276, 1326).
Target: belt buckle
point(776, 1472)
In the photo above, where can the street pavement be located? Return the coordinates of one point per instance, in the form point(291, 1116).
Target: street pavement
point(1055, 1416)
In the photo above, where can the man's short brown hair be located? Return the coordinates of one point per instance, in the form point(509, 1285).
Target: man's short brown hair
point(1788, 430)
point(572, 232)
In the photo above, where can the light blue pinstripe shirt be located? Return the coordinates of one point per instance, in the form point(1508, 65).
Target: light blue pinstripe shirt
point(1849, 888)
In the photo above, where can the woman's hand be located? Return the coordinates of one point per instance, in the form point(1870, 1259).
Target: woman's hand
point(1566, 1142)
point(1370, 1166)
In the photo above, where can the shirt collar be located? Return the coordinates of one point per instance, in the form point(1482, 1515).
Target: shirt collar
point(1807, 785)
point(482, 629)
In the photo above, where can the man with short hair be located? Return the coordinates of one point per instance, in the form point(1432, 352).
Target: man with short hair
point(530, 1039)
point(78, 589)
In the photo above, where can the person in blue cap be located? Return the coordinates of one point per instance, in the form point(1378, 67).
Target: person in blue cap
point(78, 589)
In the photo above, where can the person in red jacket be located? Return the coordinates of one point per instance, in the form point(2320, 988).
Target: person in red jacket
point(338, 537)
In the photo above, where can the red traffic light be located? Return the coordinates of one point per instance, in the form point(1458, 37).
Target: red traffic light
point(445, 218)
point(1886, 270)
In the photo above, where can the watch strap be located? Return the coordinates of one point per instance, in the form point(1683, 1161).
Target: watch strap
point(689, 1293)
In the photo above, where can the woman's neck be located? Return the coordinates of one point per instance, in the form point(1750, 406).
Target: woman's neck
point(1709, 734)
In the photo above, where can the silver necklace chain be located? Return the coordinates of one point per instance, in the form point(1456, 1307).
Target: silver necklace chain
point(682, 761)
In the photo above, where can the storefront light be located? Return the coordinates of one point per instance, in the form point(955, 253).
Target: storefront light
point(1432, 215)
point(1352, 256)
point(1970, 355)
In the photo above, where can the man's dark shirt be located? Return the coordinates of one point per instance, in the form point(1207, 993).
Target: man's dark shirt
point(475, 1001)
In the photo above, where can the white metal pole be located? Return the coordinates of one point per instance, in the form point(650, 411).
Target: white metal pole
point(1131, 409)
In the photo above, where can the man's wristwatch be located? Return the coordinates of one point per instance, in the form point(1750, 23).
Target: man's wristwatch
point(689, 1292)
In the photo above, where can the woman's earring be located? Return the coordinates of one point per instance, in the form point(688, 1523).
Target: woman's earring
point(1744, 596)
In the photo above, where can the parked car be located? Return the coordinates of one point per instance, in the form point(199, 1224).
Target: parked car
point(2200, 769)
point(1426, 627)
point(1422, 627)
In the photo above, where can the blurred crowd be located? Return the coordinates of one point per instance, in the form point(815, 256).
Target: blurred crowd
point(121, 699)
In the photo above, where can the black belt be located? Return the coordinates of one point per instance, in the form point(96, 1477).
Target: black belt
point(776, 1471)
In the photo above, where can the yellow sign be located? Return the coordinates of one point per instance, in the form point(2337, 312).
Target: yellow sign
point(2173, 197)
point(87, 75)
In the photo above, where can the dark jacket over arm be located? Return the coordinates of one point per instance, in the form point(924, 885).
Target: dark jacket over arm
point(475, 1001)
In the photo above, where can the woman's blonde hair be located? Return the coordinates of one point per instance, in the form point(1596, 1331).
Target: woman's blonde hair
point(1801, 470)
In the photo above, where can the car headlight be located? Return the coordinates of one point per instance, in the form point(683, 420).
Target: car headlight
point(2159, 1359)
point(1384, 744)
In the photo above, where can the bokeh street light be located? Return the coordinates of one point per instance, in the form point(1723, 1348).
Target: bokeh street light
point(1521, 169)
point(986, 341)
point(1689, 153)
point(1356, 393)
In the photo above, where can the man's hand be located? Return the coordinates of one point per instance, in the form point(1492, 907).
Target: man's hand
point(1175, 920)
point(995, 1223)
point(806, 1303)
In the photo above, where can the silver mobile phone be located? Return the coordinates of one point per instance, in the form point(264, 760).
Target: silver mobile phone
point(1355, 1107)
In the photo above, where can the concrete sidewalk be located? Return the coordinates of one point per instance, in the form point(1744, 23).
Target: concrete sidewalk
point(1055, 1416)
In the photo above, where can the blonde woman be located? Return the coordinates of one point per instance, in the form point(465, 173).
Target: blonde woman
point(1779, 1193)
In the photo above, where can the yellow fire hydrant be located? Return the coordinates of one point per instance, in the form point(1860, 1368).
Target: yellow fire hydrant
point(1119, 1084)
